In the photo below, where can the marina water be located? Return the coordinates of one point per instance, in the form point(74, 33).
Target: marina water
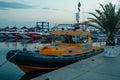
point(9, 71)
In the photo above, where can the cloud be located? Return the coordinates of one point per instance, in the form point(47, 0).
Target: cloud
point(15, 5)
point(46, 8)
point(3, 8)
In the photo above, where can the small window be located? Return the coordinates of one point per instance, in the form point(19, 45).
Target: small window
point(80, 39)
point(58, 38)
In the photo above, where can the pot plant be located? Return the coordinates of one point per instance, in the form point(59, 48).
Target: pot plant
point(107, 19)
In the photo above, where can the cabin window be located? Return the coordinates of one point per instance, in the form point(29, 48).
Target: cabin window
point(80, 39)
point(70, 39)
point(58, 38)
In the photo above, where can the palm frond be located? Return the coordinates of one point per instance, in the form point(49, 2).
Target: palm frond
point(108, 20)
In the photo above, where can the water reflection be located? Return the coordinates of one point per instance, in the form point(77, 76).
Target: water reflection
point(11, 70)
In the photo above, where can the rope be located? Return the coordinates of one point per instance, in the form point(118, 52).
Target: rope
point(8, 59)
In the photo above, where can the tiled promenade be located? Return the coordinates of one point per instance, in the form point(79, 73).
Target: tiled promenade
point(97, 67)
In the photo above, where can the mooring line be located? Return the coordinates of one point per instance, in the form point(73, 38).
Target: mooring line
point(8, 59)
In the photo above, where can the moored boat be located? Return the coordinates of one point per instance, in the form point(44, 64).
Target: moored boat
point(3, 35)
point(13, 34)
point(34, 35)
point(10, 34)
point(67, 47)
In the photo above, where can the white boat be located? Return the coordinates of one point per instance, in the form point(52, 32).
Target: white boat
point(13, 34)
point(2, 34)
point(9, 34)
point(34, 35)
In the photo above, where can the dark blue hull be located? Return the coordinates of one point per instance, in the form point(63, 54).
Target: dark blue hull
point(29, 58)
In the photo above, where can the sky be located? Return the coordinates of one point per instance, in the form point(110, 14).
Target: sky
point(21, 13)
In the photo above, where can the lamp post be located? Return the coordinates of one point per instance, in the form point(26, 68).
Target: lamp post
point(77, 16)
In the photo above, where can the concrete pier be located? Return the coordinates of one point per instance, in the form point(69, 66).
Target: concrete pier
point(97, 67)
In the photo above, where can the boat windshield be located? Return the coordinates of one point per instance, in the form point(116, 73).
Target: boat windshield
point(69, 39)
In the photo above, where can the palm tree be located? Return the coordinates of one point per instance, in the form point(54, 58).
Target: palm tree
point(108, 20)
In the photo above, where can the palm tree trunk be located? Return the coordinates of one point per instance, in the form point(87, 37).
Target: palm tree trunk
point(110, 40)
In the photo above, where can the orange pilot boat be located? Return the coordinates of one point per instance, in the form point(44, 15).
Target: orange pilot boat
point(67, 46)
